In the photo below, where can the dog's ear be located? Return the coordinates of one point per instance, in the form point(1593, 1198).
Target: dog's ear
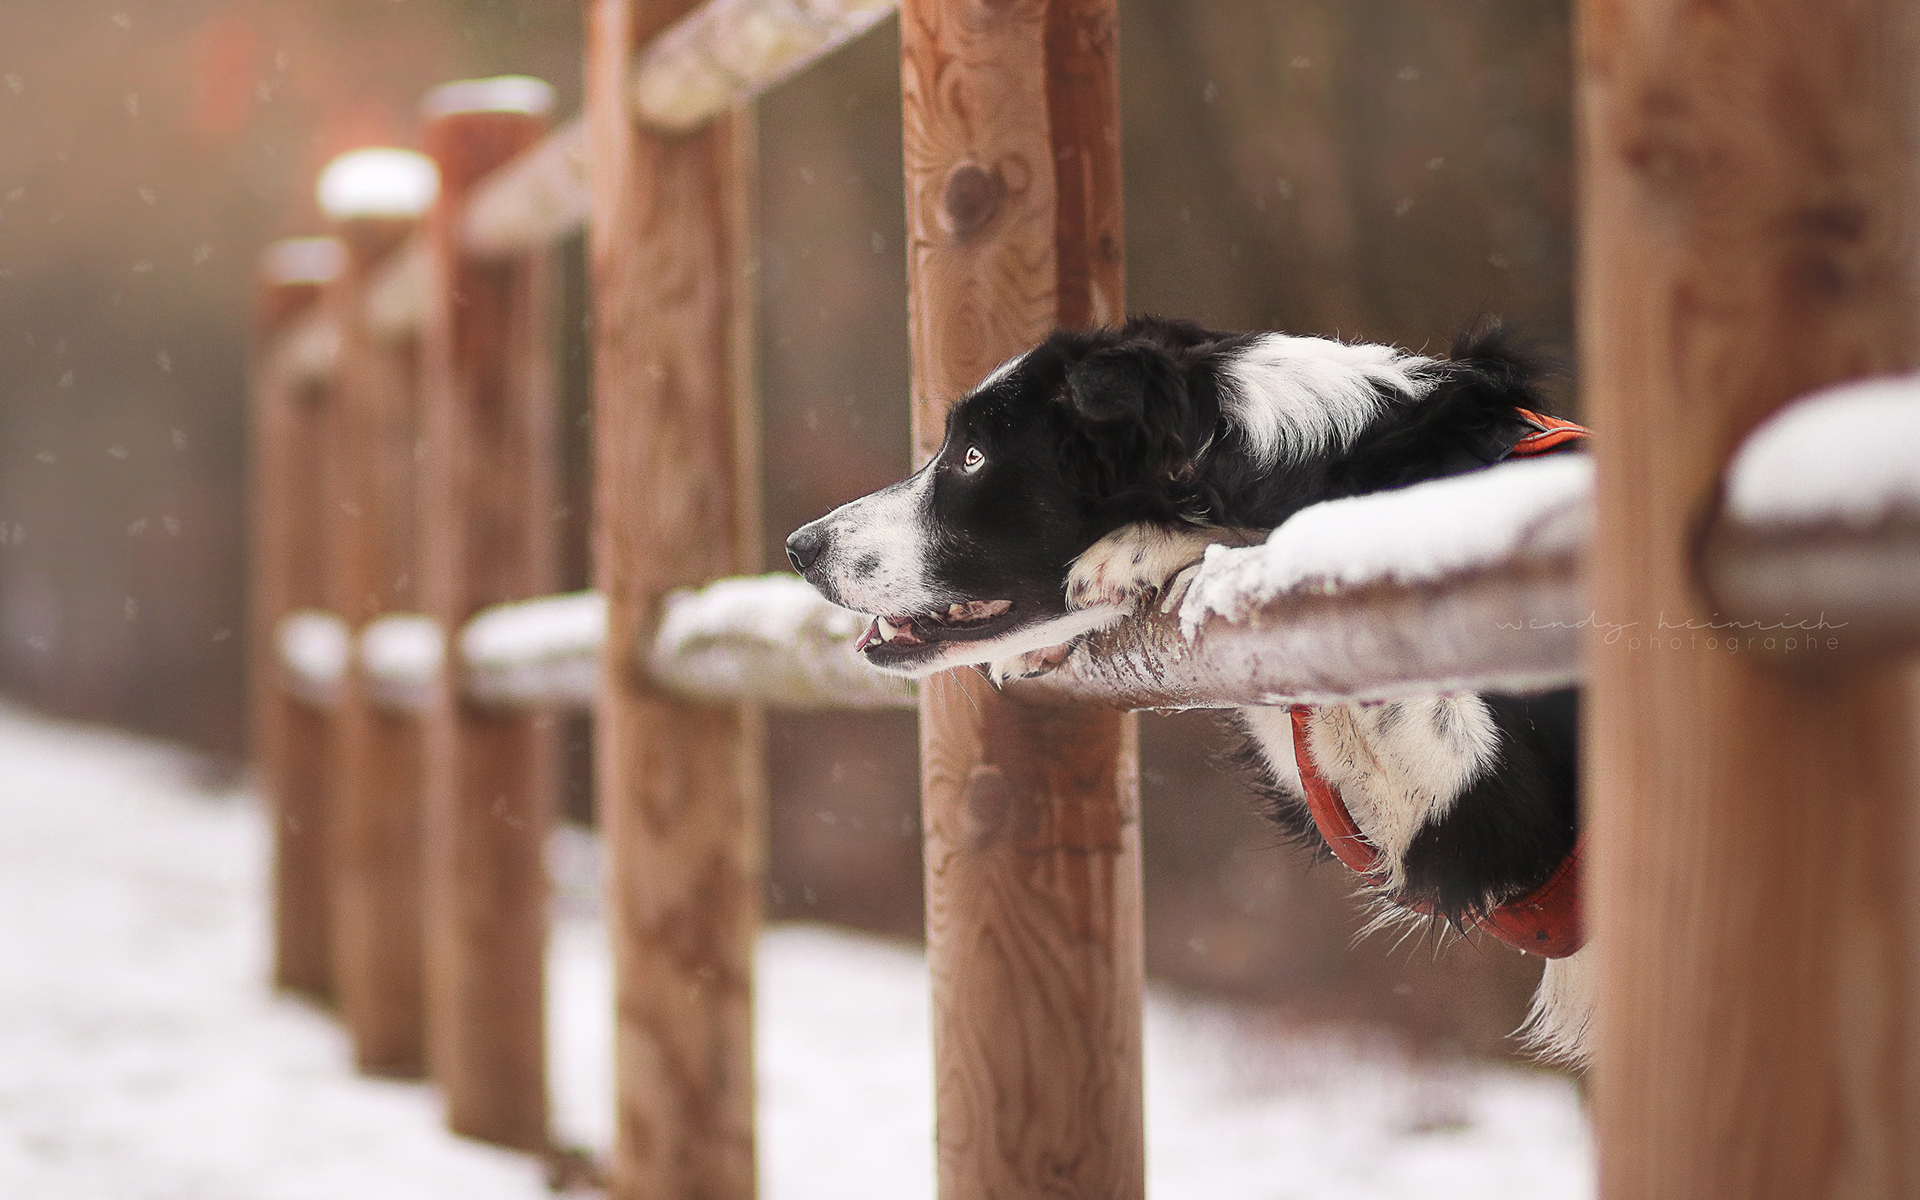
point(1112, 384)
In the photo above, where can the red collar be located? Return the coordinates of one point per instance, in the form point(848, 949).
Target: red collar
point(1545, 921)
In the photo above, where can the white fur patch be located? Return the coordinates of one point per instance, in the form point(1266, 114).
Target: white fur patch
point(878, 559)
point(1272, 730)
point(1561, 1016)
point(1400, 766)
point(1296, 397)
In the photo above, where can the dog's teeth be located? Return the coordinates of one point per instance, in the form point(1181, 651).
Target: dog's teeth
point(887, 631)
point(957, 612)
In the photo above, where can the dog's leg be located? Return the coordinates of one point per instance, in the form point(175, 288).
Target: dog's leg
point(1135, 561)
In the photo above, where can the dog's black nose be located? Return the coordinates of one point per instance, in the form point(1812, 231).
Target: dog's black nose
point(805, 545)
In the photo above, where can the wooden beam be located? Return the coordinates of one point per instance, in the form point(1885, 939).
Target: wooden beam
point(676, 476)
point(487, 505)
point(1012, 125)
point(1748, 233)
point(724, 53)
point(378, 955)
point(291, 739)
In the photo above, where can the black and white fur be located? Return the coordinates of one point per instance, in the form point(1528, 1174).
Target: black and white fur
point(1087, 476)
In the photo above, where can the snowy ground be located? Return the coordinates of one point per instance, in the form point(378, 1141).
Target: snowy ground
point(142, 1057)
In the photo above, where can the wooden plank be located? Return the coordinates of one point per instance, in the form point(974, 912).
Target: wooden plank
point(535, 200)
point(725, 53)
point(487, 504)
point(375, 848)
point(291, 738)
point(676, 478)
point(1031, 816)
point(1748, 234)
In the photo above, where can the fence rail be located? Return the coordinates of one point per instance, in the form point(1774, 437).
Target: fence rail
point(1473, 583)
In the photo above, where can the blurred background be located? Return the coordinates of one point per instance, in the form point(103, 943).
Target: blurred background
point(1376, 169)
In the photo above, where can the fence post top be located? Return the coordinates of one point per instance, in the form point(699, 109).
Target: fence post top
point(522, 94)
point(380, 182)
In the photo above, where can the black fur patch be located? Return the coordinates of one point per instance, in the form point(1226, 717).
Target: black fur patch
point(1514, 825)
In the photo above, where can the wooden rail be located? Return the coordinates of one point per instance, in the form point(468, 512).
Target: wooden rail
point(1356, 600)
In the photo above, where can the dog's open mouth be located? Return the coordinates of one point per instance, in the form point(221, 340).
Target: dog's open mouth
point(895, 639)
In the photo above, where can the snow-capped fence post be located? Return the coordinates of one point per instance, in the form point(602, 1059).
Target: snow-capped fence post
point(487, 517)
point(1748, 234)
point(291, 737)
point(1032, 832)
point(375, 199)
point(676, 476)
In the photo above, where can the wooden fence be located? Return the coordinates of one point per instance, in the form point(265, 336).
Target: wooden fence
point(1740, 619)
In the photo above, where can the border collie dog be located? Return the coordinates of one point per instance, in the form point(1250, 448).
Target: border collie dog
point(1087, 477)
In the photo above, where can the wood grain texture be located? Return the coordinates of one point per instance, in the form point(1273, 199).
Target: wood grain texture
point(487, 517)
point(292, 740)
point(1033, 870)
point(375, 832)
point(676, 478)
point(1748, 234)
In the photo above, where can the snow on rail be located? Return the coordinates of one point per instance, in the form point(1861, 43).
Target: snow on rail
point(315, 648)
point(1821, 521)
point(536, 652)
point(401, 656)
point(769, 639)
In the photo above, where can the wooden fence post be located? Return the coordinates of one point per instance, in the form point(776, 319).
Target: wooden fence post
point(1032, 816)
point(1749, 233)
point(291, 737)
point(676, 482)
point(375, 199)
point(487, 521)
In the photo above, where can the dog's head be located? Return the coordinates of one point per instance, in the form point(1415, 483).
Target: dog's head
point(1159, 421)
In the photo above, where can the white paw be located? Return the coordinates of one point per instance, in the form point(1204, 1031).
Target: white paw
point(1135, 561)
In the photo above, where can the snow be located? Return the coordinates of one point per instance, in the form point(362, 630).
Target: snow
point(502, 93)
point(380, 181)
point(146, 1057)
point(530, 631)
point(401, 655)
point(1847, 455)
point(1419, 534)
point(314, 648)
point(303, 260)
point(770, 638)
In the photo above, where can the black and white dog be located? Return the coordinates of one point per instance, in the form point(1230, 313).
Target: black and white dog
point(1087, 476)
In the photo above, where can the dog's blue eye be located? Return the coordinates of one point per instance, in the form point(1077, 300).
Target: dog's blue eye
point(971, 460)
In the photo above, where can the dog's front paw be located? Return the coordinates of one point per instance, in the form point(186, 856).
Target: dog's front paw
point(1029, 665)
point(1138, 560)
